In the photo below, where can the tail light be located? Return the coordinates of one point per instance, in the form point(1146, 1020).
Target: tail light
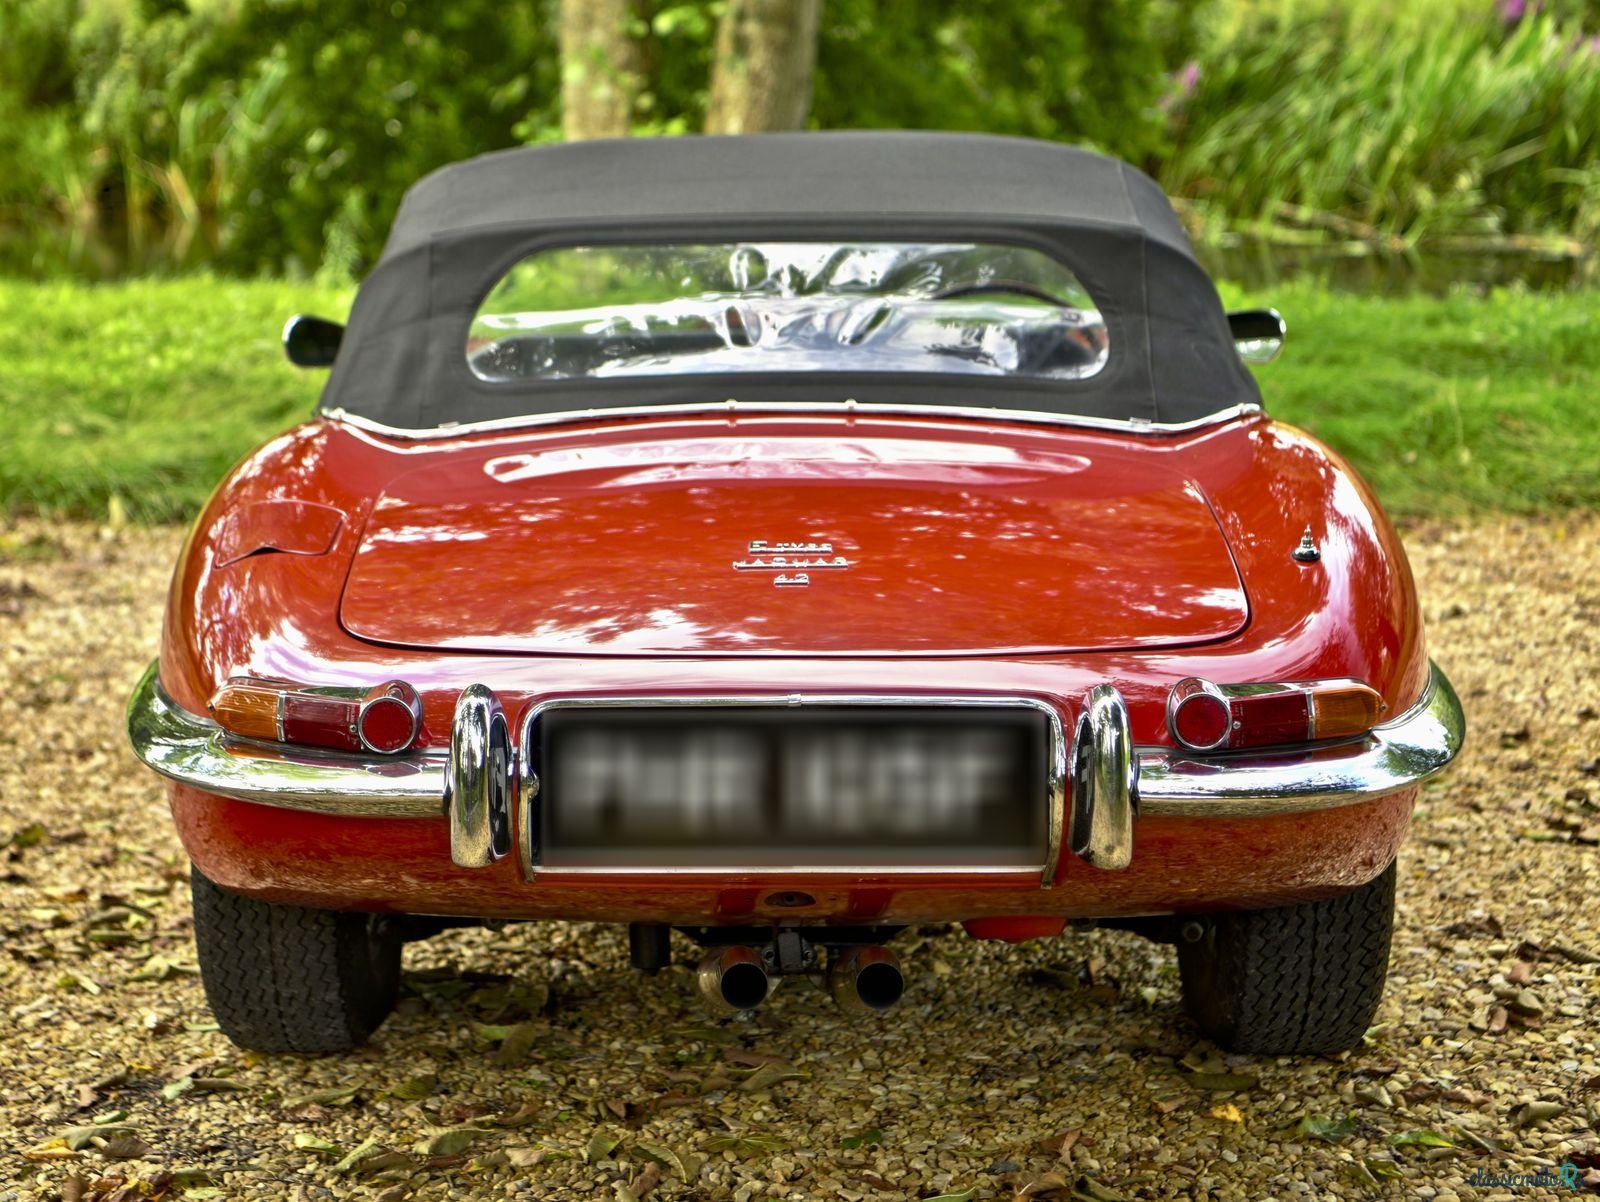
point(386, 718)
point(1211, 717)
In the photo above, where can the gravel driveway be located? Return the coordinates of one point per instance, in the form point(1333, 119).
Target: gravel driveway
point(1062, 1068)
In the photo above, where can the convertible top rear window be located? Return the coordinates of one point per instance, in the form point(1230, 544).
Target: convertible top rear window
point(593, 312)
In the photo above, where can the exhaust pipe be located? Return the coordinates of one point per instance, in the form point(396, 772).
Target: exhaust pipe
point(734, 978)
point(865, 980)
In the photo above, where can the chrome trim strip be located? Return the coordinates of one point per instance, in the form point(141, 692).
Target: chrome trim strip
point(481, 781)
point(1171, 784)
point(1392, 756)
point(1105, 781)
point(733, 408)
point(195, 751)
point(1055, 807)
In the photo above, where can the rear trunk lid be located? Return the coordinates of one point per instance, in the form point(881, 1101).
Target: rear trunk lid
point(915, 545)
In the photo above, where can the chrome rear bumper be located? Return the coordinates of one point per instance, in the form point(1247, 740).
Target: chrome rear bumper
point(1110, 785)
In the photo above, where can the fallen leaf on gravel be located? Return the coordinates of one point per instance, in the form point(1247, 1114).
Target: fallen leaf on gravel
point(308, 1142)
point(1048, 1183)
point(1320, 1126)
point(521, 1116)
point(1221, 1082)
point(1060, 1143)
point(1227, 1112)
point(750, 1059)
point(87, 1097)
point(600, 1145)
point(27, 836)
point(1483, 926)
point(707, 1035)
point(452, 1141)
point(1054, 977)
point(414, 1089)
point(685, 1164)
point(1521, 973)
point(1537, 1112)
point(1374, 1095)
point(73, 1188)
point(965, 1195)
point(339, 1096)
point(53, 1149)
point(646, 1181)
point(125, 1147)
point(1090, 1190)
point(77, 1138)
point(1382, 1169)
point(1498, 1019)
point(864, 1139)
point(385, 1162)
point(1466, 1097)
point(526, 1158)
point(366, 1148)
point(768, 1075)
point(744, 1145)
point(1423, 1138)
point(516, 1045)
point(159, 968)
point(176, 1089)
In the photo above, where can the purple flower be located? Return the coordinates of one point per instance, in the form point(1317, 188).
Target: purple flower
point(1187, 78)
point(1512, 11)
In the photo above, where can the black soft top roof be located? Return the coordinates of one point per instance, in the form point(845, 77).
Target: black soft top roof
point(403, 362)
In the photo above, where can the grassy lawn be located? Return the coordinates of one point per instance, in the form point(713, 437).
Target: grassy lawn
point(146, 392)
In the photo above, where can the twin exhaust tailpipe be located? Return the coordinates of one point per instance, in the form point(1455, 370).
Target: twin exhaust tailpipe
point(861, 979)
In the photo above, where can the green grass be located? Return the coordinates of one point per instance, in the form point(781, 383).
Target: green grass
point(1447, 405)
point(146, 392)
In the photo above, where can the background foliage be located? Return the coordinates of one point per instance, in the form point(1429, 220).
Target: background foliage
point(277, 135)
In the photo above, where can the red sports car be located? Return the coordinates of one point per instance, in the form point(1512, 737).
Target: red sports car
point(786, 540)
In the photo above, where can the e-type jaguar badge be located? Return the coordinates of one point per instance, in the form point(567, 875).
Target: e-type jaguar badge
point(793, 562)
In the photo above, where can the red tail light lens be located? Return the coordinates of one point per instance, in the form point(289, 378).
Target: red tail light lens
point(1210, 717)
point(386, 719)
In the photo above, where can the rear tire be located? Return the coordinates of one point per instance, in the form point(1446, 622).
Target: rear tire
point(1297, 980)
point(291, 978)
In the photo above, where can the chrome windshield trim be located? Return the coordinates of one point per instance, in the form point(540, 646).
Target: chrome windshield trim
point(1394, 756)
point(1056, 772)
point(734, 408)
point(196, 751)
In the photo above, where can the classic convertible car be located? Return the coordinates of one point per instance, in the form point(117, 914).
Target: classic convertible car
point(783, 541)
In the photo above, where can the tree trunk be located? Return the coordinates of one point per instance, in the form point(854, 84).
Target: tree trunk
point(761, 76)
point(600, 68)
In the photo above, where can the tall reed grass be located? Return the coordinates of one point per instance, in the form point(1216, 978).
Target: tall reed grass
point(1468, 131)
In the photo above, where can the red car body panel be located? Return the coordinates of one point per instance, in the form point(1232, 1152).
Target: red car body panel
point(460, 576)
point(641, 548)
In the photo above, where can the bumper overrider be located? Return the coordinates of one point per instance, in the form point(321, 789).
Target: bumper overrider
point(1100, 782)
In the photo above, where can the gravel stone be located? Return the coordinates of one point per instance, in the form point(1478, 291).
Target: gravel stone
point(985, 1078)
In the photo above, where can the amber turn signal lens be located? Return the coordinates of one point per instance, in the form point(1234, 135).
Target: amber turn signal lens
point(249, 708)
point(1338, 711)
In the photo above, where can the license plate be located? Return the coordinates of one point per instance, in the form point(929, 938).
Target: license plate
point(791, 787)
